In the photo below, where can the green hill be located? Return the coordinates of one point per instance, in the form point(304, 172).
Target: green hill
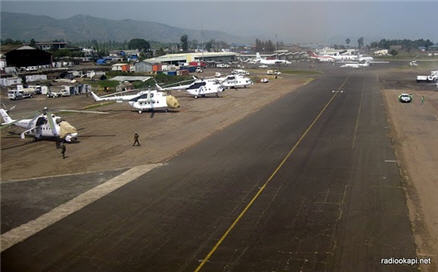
point(20, 26)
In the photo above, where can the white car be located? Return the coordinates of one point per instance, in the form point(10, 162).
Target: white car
point(273, 72)
point(222, 65)
point(405, 98)
point(264, 80)
point(53, 94)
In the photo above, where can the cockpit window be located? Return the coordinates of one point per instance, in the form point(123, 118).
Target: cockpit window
point(197, 85)
point(41, 121)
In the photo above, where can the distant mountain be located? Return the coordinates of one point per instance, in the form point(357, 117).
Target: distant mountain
point(21, 26)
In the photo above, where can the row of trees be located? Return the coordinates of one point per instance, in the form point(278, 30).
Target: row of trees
point(211, 45)
point(360, 42)
point(405, 44)
point(264, 46)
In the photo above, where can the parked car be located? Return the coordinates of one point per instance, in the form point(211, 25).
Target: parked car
point(53, 94)
point(405, 98)
point(273, 72)
point(222, 65)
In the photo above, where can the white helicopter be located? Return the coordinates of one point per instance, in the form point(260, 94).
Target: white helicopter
point(149, 100)
point(45, 126)
point(235, 81)
point(199, 87)
point(117, 96)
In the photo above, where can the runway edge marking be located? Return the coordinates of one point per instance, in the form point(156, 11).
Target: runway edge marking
point(19, 234)
point(231, 227)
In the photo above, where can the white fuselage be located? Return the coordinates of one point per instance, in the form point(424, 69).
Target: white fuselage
point(235, 81)
point(200, 87)
point(355, 65)
point(39, 127)
point(204, 87)
point(339, 57)
point(265, 61)
point(150, 101)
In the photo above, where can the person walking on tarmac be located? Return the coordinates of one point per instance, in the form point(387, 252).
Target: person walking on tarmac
point(63, 148)
point(136, 142)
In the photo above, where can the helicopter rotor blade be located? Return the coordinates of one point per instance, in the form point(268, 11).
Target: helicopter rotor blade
point(84, 111)
point(51, 123)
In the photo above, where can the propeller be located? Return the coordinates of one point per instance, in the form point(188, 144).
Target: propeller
point(177, 83)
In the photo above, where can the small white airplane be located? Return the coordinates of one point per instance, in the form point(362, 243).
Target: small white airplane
point(150, 100)
point(338, 57)
point(365, 58)
point(355, 65)
point(266, 61)
point(44, 126)
point(198, 88)
point(321, 58)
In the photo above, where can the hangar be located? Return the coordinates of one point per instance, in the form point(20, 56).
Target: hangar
point(199, 56)
point(28, 56)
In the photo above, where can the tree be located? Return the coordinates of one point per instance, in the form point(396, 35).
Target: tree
point(209, 45)
point(32, 42)
point(184, 42)
point(393, 52)
point(139, 44)
point(159, 52)
point(360, 42)
point(347, 41)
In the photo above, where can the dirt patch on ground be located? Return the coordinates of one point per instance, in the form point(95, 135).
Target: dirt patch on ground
point(106, 140)
point(415, 136)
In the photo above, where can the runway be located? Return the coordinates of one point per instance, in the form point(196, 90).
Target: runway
point(308, 183)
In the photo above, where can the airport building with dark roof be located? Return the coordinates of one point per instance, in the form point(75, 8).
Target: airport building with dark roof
point(28, 56)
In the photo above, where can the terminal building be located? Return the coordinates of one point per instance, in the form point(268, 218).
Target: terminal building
point(199, 56)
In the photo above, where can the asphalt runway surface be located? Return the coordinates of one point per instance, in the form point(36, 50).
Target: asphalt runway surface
point(25, 200)
point(308, 183)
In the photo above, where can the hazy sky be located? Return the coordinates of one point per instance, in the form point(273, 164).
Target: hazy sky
point(287, 21)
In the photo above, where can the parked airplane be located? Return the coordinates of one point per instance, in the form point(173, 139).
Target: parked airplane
point(45, 125)
point(321, 58)
point(338, 57)
point(265, 61)
point(355, 65)
point(200, 87)
point(150, 100)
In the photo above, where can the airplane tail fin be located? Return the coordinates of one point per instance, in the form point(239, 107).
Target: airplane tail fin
point(95, 97)
point(6, 118)
point(311, 53)
point(258, 56)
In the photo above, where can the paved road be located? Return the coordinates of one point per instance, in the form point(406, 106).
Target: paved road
point(22, 201)
point(335, 204)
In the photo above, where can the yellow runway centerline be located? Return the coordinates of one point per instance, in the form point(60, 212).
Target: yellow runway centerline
point(231, 227)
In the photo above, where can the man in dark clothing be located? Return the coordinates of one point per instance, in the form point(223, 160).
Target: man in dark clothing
point(136, 142)
point(63, 151)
